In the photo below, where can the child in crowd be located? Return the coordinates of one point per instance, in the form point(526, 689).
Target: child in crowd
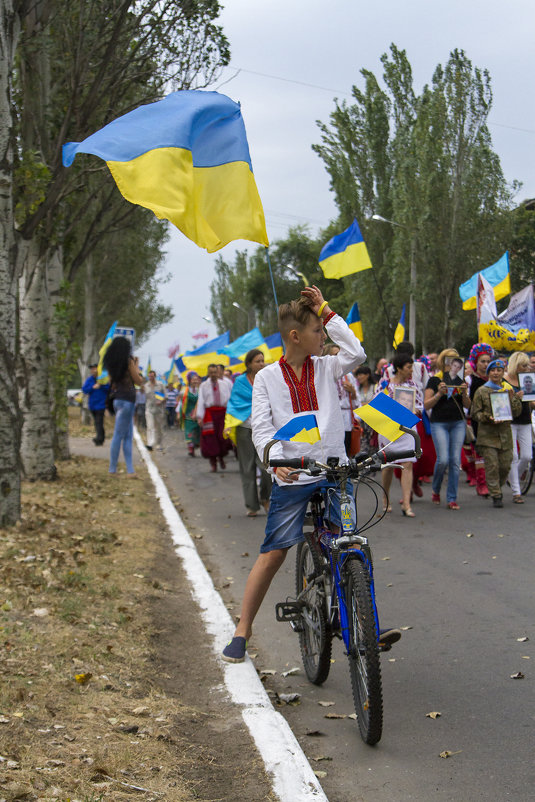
point(301, 382)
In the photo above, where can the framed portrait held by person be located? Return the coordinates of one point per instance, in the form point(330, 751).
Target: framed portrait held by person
point(501, 406)
point(406, 396)
point(453, 370)
point(527, 384)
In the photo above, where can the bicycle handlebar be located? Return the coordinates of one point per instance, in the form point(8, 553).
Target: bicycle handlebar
point(299, 462)
point(374, 462)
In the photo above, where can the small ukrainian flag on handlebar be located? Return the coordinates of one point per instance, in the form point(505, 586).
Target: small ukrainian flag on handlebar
point(303, 429)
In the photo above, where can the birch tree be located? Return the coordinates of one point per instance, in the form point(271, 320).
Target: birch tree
point(10, 422)
point(96, 62)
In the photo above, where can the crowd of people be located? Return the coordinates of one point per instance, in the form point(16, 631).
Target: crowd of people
point(473, 415)
point(473, 418)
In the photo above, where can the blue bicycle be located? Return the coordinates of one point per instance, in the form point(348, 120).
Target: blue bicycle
point(335, 594)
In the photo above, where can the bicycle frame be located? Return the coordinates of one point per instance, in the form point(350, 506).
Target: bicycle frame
point(337, 554)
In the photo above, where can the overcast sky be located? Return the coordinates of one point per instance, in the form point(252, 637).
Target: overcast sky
point(294, 57)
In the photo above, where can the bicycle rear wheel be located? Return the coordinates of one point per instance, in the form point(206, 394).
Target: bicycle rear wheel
point(363, 655)
point(315, 638)
point(527, 477)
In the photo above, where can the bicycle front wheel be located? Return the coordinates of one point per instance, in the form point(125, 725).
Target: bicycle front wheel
point(363, 655)
point(315, 637)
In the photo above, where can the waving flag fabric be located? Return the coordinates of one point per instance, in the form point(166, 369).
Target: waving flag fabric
point(303, 429)
point(187, 159)
point(102, 375)
point(345, 253)
point(211, 345)
point(498, 277)
point(239, 405)
point(386, 415)
point(399, 334)
point(251, 339)
point(354, 322)
point(275, 345)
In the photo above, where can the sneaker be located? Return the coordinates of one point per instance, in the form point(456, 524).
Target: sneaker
point(234, 651)
point(387, 637)
point(435, 498)
point(497, 501)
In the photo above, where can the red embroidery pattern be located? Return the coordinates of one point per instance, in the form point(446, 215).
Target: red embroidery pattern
point(329, 317)
point(302, 393)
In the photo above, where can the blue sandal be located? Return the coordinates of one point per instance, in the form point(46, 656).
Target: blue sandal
point(234, 651)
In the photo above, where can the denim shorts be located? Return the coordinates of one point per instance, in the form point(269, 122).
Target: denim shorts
point(287, 508)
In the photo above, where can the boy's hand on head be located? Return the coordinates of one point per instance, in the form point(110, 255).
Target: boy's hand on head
point(313, 296)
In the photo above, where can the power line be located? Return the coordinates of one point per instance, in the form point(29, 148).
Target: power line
point(341, 92)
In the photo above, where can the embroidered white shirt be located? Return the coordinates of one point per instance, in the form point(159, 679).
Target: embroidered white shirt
point(206, 396)
point(277, 399)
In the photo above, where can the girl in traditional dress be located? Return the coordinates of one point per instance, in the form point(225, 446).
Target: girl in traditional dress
point(188, 419)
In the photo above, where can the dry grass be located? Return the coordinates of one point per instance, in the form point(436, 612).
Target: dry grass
point(80, 718)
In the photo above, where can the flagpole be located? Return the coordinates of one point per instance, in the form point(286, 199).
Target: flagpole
point(272, 281)
point(382, 301)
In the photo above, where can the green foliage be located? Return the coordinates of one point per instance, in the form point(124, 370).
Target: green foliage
point(127, 273)
point(426, 162)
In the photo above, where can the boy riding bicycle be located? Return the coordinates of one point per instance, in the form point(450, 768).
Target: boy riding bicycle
point(301, 382)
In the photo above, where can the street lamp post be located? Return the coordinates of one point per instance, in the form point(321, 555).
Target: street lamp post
point(412, 300)
point(298, 273)
point(236, 305)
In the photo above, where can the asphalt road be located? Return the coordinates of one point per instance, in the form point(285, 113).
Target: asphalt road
point(467, 601)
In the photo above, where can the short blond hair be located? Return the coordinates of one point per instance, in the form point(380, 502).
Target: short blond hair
point(517, 360)
point(294, 315)
point(447, 352)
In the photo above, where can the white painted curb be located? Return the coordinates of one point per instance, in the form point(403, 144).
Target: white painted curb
point(292, 777)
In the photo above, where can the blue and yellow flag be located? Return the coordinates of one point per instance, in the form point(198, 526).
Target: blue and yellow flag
point(498, 277)
point(187, 159)
point(345, 253)
point(102, 375)
point(399, 334)
point(239, 406)
point(386, 415)
point(354, 322)
point(251, 339)
point(149, 366)
point(275, 345)
point(303, 429)
point(212, 345)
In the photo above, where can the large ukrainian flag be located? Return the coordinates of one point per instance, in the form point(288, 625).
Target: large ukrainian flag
point(386, 415)
point(345, 253)
point(498, 277)
point(187, 159)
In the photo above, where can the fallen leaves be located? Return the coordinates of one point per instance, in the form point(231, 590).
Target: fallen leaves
point(433, 715)
point(518, 675)
point(83, 678)
point(447, 753)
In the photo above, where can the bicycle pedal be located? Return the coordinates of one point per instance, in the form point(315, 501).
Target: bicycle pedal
point(384, 647)
point(288, 611)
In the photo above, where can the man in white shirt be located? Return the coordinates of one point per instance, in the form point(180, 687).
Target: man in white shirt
point(214, 394)
point(302, 381)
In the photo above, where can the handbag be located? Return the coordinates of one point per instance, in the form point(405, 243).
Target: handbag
point(109, 401)
point(469, 436)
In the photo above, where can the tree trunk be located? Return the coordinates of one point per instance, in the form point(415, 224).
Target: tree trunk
point(59, 330)
point(10, 421)
point(37, 450)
